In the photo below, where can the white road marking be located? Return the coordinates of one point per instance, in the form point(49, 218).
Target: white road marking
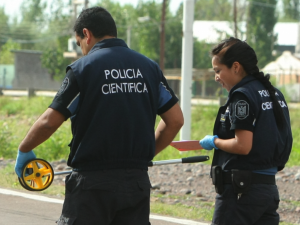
point(30, 196)
point(53, 200)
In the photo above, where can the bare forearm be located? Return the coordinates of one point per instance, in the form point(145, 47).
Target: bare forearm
point(164, 135)
point(168, 127)
point(37, 134)
point(228, 145)
point(42, 129)
point(240, 145)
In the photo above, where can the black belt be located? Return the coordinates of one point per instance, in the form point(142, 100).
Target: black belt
point(256, 178)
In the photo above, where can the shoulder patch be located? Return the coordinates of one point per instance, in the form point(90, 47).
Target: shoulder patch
point(63, 86)
point(241, 109)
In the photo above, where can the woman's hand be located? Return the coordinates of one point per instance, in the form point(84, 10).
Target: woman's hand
point(208, 142)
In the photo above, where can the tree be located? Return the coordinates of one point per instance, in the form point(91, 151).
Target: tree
point(60, 29)
point(29, 31)
point(202, 58)
point(148, 31)
point(291, 10)
point(6, 56)
point(56, 64)
point(213, 10)
point(260, 23)
point(4, 27)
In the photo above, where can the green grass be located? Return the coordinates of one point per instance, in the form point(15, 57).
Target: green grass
point(18, 114)
point(203, 213)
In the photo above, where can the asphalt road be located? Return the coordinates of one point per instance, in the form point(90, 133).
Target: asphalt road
point(23, 208)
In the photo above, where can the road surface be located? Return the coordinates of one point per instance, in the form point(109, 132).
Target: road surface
point(27, 208)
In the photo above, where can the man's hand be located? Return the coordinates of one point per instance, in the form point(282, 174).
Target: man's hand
point(22, 158)
point(208, 142)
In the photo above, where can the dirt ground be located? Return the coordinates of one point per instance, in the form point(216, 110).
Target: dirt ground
point(189, 184)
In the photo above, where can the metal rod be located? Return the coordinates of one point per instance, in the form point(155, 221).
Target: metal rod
point(165, 162)
point(192, 159)
point(63, 172)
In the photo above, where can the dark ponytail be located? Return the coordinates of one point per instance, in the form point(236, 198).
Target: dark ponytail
point(265, 80)
point(234, 50)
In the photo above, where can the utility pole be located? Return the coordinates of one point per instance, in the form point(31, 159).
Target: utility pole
point(86, 3)
point(162, 37)
point(79, 2)
point(128, 36)
point(186, 68)
point(235, 18)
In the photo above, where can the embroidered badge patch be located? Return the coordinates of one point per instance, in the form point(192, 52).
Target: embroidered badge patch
point(241, 109)
point(63, 220)
point(63, 86)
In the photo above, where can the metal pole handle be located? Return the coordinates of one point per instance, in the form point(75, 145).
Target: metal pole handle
point(193, 159)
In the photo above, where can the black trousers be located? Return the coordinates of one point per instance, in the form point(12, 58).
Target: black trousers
point(108, 197)
point(256, 207)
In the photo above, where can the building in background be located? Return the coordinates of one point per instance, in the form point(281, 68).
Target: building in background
point(7, 74)
point(29, 72)
point(212, 32)
point(285, 71)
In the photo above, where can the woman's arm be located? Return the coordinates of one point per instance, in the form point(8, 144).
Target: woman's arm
point(240, 145)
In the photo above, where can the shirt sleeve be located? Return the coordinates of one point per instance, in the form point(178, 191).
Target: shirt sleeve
point(67, 98)
point(167, 98)
point(241, 113)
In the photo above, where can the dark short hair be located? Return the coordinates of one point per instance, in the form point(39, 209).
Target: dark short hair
point(234, 50)
point(98, 20)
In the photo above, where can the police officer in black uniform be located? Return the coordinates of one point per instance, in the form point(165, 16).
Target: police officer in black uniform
point(112, 96)
point(252, 139)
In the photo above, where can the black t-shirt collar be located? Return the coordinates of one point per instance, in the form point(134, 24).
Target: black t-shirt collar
point(244, 81)
point(107, 43)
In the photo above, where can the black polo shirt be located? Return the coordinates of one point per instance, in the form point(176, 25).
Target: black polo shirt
point(113, 95)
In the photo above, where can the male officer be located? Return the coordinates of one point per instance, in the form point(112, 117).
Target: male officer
point(112, 96)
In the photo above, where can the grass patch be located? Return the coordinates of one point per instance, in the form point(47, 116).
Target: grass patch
point(183, 211)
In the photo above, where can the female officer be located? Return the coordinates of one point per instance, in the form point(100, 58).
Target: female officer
point(252, 139)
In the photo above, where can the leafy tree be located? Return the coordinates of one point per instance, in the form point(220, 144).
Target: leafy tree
point(291, 10)
point(213, 10)
point(61, 29)
point(260, 35)
point(56, 64)
point(6, 56)
point(30, 30)
point(4, 27)
point(202, 58)
point(148, 31)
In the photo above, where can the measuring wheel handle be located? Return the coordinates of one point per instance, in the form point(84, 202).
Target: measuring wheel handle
point(37, 175)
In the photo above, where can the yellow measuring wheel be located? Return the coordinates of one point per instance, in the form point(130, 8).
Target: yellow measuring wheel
point(37, 175)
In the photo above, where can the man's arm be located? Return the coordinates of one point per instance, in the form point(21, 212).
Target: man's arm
point(42, 129)
point(170, 124)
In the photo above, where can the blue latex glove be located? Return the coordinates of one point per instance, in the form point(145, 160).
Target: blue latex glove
point(208, 142)
point(22, 158)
